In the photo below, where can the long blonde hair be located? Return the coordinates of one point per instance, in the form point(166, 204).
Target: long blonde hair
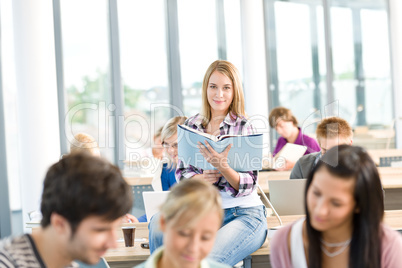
point(226, 68)
point(189, 201)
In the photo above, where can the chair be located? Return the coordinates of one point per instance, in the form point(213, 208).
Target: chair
point(138, 202)
point(101, 264)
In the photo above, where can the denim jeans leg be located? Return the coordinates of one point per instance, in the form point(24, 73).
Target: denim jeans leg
point(244, 231)
point(155, 233)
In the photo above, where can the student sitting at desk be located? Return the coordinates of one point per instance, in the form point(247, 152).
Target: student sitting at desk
point(332, 131)
point(83, 200)
point(164, 177)
point(244, 226)
point(285, 124)
point(344, 206)
point(189, 219)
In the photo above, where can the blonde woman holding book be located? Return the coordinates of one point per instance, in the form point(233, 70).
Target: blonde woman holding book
point(244, 225)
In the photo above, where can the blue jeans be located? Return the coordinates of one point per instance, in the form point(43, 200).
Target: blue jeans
point(155, 234)
point(243, 231)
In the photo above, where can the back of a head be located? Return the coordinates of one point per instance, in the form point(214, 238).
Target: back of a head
point(84, 142)
point(82, 185)
point(189, 201)
point(333, 127)
point(170, 128)
point(281, 113)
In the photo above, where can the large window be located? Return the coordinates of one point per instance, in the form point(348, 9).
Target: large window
point(357, 45)
point(86, 60)
point(198, 48)
point(144, 72)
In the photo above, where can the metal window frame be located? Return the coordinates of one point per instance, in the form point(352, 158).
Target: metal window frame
point(117, 87)
point(221, 29)
point(61, 94)
point(173, 54)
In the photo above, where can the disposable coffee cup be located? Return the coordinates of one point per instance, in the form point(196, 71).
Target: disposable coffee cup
point(129, 235)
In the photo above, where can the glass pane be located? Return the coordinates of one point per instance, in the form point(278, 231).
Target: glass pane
point(294, 43)
point(344, 62)
point(376, 64)
point(144, 71)
point(10, 112)
point(198, 48)
point(87, 70)
point(233, 33)
point(360, 38)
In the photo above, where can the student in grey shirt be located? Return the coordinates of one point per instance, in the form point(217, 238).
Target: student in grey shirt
point(83, 201)
point(332, 131)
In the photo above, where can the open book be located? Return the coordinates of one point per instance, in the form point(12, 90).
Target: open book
point(290, 152)
point(245, 154)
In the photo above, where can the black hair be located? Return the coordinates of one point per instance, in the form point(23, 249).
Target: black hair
point(82, 185)
point(348, 162)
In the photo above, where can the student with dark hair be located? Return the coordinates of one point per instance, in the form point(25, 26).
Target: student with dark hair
point(83, 200)
point(343, 225)
point(331, 131)
point(285, 123)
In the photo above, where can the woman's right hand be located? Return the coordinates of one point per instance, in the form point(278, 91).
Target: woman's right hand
point(211, 175)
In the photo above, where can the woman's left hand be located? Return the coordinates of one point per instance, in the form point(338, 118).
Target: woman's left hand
point(218, 160)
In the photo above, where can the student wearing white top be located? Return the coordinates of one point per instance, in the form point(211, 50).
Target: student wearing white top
point(190, 219)
point(344, 205)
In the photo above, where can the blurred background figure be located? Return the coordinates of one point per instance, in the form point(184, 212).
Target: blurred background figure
point(164, 177)
point(83, 141)
point(190, 219)
point(284, 122)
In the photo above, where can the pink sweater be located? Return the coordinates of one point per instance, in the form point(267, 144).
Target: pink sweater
point(391, 253)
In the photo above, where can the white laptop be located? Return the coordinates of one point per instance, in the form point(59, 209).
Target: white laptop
point(153, 200)
point(287, 196)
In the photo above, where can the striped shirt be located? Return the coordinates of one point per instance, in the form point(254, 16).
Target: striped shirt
point(20, 252)
point(229, 126)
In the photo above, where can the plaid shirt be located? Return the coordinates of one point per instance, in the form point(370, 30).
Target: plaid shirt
point(238, 126)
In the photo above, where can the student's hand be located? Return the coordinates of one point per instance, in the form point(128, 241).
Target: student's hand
point(128, 218)
point(212, 175)
point(287, 166)
point(217, 160)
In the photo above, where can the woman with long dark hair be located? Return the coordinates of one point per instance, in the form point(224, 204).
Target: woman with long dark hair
point(344, 205)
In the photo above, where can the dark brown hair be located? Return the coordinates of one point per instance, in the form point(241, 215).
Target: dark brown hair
point(352, 162)
point(82, 185)
point(281, 113)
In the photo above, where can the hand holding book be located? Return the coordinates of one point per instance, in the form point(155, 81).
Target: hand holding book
point(242, 153)
point(217, 160)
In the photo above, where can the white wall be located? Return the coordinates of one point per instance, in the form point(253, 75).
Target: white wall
point(39, 141)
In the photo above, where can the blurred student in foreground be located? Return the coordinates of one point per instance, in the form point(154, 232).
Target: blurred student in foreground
point(331, 132)
point(284, 122)
point(190, 219)
point(344, 212)
point(83, 200)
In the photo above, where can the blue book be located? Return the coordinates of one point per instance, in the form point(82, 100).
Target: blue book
point(245, 154)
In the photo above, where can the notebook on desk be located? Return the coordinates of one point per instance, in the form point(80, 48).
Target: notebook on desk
point(287, 196)
point(153, 201)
